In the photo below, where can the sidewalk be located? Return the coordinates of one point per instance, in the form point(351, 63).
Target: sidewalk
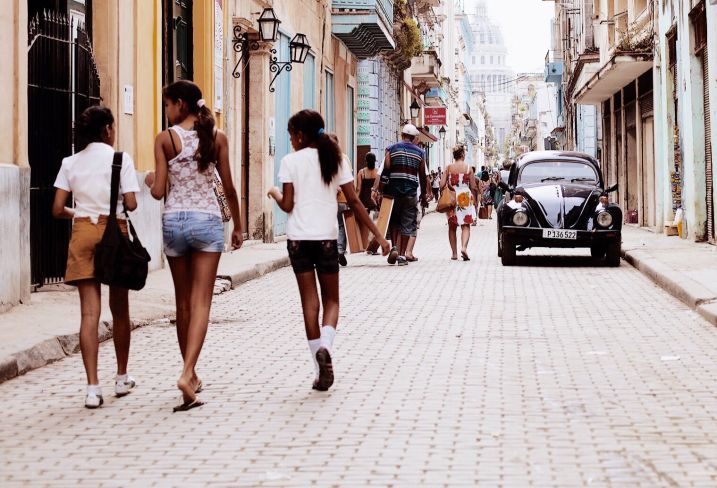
point(47, 329)
point(685, 269)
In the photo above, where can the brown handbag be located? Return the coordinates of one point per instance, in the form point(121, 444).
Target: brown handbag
point(447, 200)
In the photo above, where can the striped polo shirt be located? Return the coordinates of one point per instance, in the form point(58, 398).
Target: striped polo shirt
point(405, 160)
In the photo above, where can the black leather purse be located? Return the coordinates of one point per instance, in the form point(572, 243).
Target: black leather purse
point(119, 260)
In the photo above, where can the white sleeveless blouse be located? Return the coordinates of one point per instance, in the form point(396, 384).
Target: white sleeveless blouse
point(190, 190)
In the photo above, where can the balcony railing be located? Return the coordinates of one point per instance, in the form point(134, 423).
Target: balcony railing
point(365, 26)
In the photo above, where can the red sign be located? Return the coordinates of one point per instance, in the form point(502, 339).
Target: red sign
point(434, 115)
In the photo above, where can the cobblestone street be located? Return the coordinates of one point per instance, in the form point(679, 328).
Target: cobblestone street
point(550, 373)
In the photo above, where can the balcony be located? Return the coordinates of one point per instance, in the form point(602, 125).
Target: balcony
point(553, 68)
point(365, 26)
point(426, 71)
point(436, 97)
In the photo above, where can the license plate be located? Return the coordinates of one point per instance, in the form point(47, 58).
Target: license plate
point(559, 234)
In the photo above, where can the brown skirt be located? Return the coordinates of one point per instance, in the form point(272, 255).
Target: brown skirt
point(81, 253)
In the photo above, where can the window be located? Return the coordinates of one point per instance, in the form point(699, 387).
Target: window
point(559, 171)
point(474, 60)
point(330, 110)
point(350, 144)
point(482, 60)
point(491, 60)
point(310, 82)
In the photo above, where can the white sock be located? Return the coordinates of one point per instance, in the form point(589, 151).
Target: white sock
point(327, 336)
point(121, 378)
point(314, 346)
point(94, 390)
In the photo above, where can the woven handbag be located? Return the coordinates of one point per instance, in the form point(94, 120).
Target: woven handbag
point(447, 200)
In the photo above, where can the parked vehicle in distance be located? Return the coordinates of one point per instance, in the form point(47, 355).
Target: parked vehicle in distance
point(558, 199)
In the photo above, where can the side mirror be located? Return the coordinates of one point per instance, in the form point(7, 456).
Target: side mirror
point(611, 189)
point(503, 186)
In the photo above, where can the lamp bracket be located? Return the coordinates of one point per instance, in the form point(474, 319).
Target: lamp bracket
point(276, 66)
point(242, 44)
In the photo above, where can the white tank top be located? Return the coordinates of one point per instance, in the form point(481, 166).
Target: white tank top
point(190, 190)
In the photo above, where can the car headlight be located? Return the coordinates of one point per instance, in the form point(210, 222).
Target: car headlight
point(520, 218)
point(604, 219)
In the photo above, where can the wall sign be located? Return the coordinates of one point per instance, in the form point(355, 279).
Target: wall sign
point(435, 115)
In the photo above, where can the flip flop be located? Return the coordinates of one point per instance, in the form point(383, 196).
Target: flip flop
point(412, 259)
point(200, 387)
point(188, 405)
point(465, 256)
point(454, 259)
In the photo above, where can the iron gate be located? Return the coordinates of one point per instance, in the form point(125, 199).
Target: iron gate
point(62, 83)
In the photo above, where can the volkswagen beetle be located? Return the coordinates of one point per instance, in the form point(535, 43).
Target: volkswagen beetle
point(558, 199)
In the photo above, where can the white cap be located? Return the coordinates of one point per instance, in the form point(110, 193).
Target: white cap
point(410, 129)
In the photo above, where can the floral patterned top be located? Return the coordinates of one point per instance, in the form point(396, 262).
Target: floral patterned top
point(190, 190)
point(465, 211)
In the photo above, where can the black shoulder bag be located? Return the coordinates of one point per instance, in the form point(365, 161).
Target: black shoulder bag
point(119, 260)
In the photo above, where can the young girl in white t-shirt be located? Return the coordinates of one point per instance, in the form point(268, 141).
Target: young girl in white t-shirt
point(311, 176)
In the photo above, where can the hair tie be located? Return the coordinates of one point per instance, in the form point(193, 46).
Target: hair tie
point(322, 131)
point(201, 103)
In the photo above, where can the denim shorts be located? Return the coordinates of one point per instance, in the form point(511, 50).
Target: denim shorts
point(184, 232)
point(404, 216)
point(307, 256)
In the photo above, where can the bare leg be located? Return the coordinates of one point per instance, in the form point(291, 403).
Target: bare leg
point(204, 272)
point(182, 277)
point(404, 245)
point(452, 240)
point(465, 237)
point(309, 304)
point(330, 298)
point(409, 246)
point(90, 306)
point(121, 328)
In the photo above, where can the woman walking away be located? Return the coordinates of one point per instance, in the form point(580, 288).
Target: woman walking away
point(364, 186)
point(311, 176)
point(459, 178)
point(87, 175)
point(187, 155)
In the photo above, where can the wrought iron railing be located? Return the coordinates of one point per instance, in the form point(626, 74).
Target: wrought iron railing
point(383, 7)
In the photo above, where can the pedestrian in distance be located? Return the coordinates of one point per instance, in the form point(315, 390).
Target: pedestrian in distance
point(365, 181)
point(435, 185)
point(187, 155)
point(311, 176)
point(87, 175)
point(459, 178)
point(405, 163)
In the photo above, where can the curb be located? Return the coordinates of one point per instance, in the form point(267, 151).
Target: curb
point(699, 298)
point(59, 347)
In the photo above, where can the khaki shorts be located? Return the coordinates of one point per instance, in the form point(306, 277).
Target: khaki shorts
point(81, 254)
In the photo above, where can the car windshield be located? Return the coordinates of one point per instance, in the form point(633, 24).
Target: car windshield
point(558, 171)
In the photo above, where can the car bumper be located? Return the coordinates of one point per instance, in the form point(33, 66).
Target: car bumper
point(533, 237)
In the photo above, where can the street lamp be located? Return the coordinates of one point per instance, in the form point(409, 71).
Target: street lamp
point(442, 132)
point(415, 109)
point(299, 48)
point(268, 25)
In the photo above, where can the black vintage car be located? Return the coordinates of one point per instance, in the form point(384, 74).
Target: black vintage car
point(558, 199)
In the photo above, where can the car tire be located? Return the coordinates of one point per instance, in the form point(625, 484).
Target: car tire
point(597, 251)
point(507, 257)
point(500, 246)
point(613, 253)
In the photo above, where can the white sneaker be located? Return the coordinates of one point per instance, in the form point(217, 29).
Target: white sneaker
point(123, 387)
point(93, 399)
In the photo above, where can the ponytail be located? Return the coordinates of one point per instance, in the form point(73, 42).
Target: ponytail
point(191, 95)
point(207, 150)
point(311, 125)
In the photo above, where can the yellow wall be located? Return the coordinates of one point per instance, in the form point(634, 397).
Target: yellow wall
point(148, 83)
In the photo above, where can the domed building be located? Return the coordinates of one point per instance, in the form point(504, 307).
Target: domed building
point(491, 76)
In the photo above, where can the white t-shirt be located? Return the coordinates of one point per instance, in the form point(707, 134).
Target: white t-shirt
point(88, 175)
point(314, 215)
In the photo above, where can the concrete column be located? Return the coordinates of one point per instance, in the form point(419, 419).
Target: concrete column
point(622, 163)
point(640, 156)
point(261, 162)
point(612, 146)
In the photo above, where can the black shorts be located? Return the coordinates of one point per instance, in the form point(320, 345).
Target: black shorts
point(307, 256)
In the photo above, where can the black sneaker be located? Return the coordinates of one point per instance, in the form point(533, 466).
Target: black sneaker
point(342, 260)
point(402, 261)
point(326, 370)
point(392, 256)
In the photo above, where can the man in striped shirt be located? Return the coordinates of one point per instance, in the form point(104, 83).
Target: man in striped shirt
point(405, 162)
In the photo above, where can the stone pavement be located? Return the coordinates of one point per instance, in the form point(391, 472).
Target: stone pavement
point(686, 270)
point(550, 373)
point(46, 329)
